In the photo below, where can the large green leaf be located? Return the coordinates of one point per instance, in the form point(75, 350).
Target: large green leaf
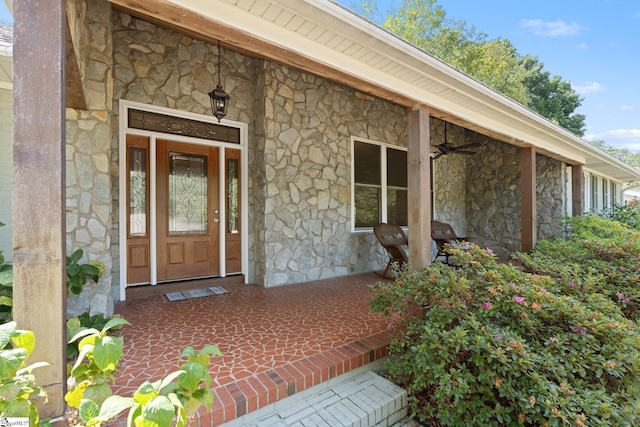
point(114, 405)
point(11, 361)
point(157, 413)
point(145, 393)
point(26, 340)
point(168, 380)
point(6, 332)
point(194, 373)
point(98, 393)
point(112, 323)
point(88, 410)
point(6, 277)
point(107, 353)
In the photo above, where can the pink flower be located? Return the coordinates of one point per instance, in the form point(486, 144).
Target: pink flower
point(578, 330)
point(543, 291)
point(553, 339)
point(487, 305)
point(519, 300)
point(570, 283)
point(389, 326)
point(622, 297)
point(511, 285)
point(489, 251)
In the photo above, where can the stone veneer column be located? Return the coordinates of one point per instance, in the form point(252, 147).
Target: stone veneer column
point(88, 154)
point(38, 192)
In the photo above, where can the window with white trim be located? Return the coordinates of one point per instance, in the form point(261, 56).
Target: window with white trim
point(379, 184)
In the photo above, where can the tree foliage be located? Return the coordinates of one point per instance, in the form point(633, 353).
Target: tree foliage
point(494, 62)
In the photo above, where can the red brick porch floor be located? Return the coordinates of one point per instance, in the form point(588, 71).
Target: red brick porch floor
point(275, 341)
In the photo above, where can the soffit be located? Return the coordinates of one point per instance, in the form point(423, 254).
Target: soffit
point(324, 38)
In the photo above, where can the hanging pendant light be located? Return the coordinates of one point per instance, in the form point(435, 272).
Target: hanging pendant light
point(219, 98)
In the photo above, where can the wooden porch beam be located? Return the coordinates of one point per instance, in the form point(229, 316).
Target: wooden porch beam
point(577, 190)
point(39, 267)
point(528, 171)
point(419, 183)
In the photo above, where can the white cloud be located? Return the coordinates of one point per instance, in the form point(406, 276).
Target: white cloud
point(557, 28)
point(619, 138)
point(626, 108)
point(590, 87)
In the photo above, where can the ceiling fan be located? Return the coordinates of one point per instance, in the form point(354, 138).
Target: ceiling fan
point(447, 147)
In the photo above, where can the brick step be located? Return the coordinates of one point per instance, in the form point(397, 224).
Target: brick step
point(359, 398)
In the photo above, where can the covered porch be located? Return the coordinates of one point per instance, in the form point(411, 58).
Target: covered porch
point(276, 342)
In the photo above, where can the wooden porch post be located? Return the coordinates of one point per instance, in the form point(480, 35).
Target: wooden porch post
point(419, 171)
point(39, 288)
point(528, 171)
point(577, 190)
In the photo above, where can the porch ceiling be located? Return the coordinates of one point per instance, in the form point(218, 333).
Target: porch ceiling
point(324, 38)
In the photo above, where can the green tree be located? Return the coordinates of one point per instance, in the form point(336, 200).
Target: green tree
point(495, 62)
point(552, 97)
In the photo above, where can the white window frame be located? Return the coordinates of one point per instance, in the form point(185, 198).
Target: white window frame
point(383, 180)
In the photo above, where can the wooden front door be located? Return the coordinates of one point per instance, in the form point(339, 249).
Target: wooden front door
point(188, 211)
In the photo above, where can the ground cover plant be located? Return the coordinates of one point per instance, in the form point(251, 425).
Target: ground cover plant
point(597, 255)
point(499, 346)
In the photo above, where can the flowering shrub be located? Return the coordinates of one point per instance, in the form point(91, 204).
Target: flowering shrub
point(498, 346)
point(597, 255)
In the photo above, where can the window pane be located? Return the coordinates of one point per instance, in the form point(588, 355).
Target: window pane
point(367, 206)
point(232, 196)
point(187, 194)
point(137, 191)
point(396, 168)
point(397, 207)
point(367, 163)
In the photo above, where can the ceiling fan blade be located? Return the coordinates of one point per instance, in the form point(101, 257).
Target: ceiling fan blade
point(470, 145)
point(437, 155)
point(465, 152)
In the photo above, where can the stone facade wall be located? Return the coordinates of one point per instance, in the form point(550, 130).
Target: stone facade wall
point(551, 196)
point(450, 176)
point(494, 197)
point(307, 187)
point(88, 151)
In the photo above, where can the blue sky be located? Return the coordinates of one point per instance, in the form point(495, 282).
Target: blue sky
point(593, 44)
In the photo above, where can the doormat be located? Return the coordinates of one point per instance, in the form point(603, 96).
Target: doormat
point(196, 293)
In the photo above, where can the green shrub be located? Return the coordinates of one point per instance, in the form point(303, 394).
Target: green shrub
point(79, 274)
point(597, 255)
point(6, 288)
point(17, 383)
point(628, 215)
point(498, 346)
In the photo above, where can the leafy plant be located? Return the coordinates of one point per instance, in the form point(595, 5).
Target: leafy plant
point(499, 346)
point(597, 255)
point(628, 214)
point(6, 288)
point(78, 274)
point(17, 384)
point(82, 322)
point(178, 395)
point(92, 373)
